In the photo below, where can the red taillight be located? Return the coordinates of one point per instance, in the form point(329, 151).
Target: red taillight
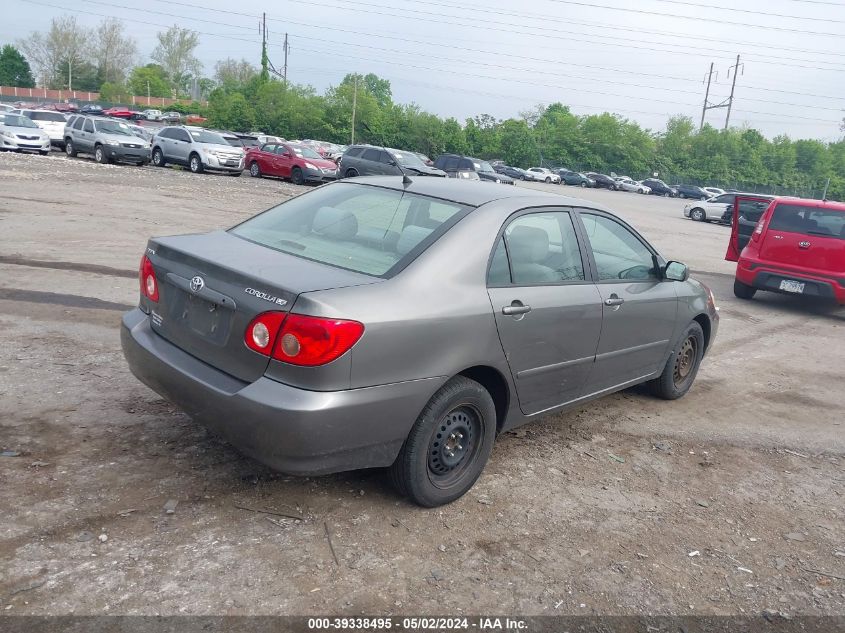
point(312, 341)
point(261, 333)
point(149, 283)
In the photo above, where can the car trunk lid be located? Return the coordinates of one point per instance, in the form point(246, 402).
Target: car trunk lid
point(805, 236)
point(211, 286)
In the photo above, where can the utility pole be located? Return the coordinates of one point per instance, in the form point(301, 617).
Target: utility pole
point(285, 73)
point(354, 105)
point(706, 97)
point(265, 74)
point(69, 74)
point(733, 86)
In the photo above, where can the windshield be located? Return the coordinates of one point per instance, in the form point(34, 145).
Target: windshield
point(204, 136)
point(407, 159)
point(234, 141)
point(366, 229)
point(483, 165)
point(114, 127)
point(305, 152)
point(16, 120)
point(46, 116)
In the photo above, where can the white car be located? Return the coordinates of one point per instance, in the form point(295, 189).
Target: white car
point(152, 115)
point(52, 122)
point(714, 191)
point(626, 184)
point(18, 132)
point(541, 174)
point(709, 210)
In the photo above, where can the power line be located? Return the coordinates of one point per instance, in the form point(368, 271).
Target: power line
point(698, 5)
point(697, 19)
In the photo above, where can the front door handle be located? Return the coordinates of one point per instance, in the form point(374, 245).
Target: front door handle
point(516, 307)
point(613, 300)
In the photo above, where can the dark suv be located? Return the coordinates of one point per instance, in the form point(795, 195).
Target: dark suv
point(660, 188)
point(453, 164)
point(368, 160)
point(691, 191)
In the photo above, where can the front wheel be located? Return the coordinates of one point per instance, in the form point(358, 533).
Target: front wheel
point(296, 176)
point(448, 445)
point(44, 152)
point(583, 184)
point(100, 155)
point(351, 173)
point(697, 215)
point(743, 291)
point(548, 180)
point(70, 150)
point(195, 164)
point(682, 366)
point(158, 158)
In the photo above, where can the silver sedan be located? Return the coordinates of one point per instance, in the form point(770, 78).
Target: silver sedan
point(406, 322)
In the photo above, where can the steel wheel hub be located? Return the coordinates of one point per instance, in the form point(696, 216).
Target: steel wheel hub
point(453, 441)
point(685, 360)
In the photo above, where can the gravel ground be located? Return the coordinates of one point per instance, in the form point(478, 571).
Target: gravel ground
point(729, 501)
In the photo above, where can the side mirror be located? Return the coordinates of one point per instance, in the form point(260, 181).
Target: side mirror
point(676, 271)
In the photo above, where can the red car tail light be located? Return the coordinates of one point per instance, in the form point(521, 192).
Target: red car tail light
point(311, 341)
point(149, 283)
point(262, 331)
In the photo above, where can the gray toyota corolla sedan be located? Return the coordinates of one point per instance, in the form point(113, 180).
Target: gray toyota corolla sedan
point(382, 322)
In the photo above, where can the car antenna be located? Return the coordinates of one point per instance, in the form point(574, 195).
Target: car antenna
point(406, 179)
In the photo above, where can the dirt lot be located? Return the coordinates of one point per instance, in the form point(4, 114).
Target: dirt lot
point(729, 501)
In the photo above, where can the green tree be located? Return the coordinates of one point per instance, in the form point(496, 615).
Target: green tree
point(518, 144)
point(14, 69)
point(149, 80)
point(175, 54)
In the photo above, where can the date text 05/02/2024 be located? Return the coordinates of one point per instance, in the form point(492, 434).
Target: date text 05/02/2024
point(482, 624)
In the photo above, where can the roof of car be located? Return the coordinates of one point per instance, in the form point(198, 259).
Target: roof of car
point(470, 192)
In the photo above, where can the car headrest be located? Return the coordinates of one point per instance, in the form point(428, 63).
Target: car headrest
point(528, 244)
point(337, 223)
point(411, 236)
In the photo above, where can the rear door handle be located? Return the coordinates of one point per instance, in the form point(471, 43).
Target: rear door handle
point(516, 308)
point(613, 300)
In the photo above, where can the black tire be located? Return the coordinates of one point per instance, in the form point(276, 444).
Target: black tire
point(44, 152)
point(254, 170)
point(522, 177)
point(548, 181)
point(70, 150)
point(100, 154)
point(195, 164)
point(682, 367)
point(158, 158)
point(583, 184)
point(350, 173)
point(426, 470)
point(296, 176)
point(682, 195)
point(703, 198)
point(698, 215)
point(235, 174)
point(743, 291)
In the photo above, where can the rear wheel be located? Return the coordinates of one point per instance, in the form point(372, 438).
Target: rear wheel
point(296, 176)
point(682, 195)
point(583, 184)
point(448, 445)
point(254, 170)
point(698, 215)
point(743, 291)
point(682, 366)
point(350, 173)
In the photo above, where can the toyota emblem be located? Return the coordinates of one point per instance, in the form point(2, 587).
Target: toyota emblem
point(197, 284)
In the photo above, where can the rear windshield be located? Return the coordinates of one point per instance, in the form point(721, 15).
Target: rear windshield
point(46, 116)
point(796, 218)
point(366, 229)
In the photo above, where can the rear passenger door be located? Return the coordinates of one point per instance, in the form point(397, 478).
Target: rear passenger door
point(548, 312)
point(85, 140)
point(639, 309)
point(369, 163)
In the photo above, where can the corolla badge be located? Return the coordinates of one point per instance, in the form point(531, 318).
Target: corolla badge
point(266, 296)
point(197, 284)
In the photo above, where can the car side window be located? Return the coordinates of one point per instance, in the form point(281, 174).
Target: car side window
point(89, 125)
point(466, 165)
point(370, 154)
point(450, 164)
point(385, 158)
point(540, 248)
point(618, 253)
point(77, 125)
point(181, 135)
point(500, 272)
point(724, 199)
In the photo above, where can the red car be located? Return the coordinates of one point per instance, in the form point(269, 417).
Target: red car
point(795, 246)
point(298, 163)
point(119, 112)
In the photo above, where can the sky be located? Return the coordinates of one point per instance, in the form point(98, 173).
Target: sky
point(645, 60)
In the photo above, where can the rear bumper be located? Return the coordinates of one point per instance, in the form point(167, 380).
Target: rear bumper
point(289, 429)
point(764, 276)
